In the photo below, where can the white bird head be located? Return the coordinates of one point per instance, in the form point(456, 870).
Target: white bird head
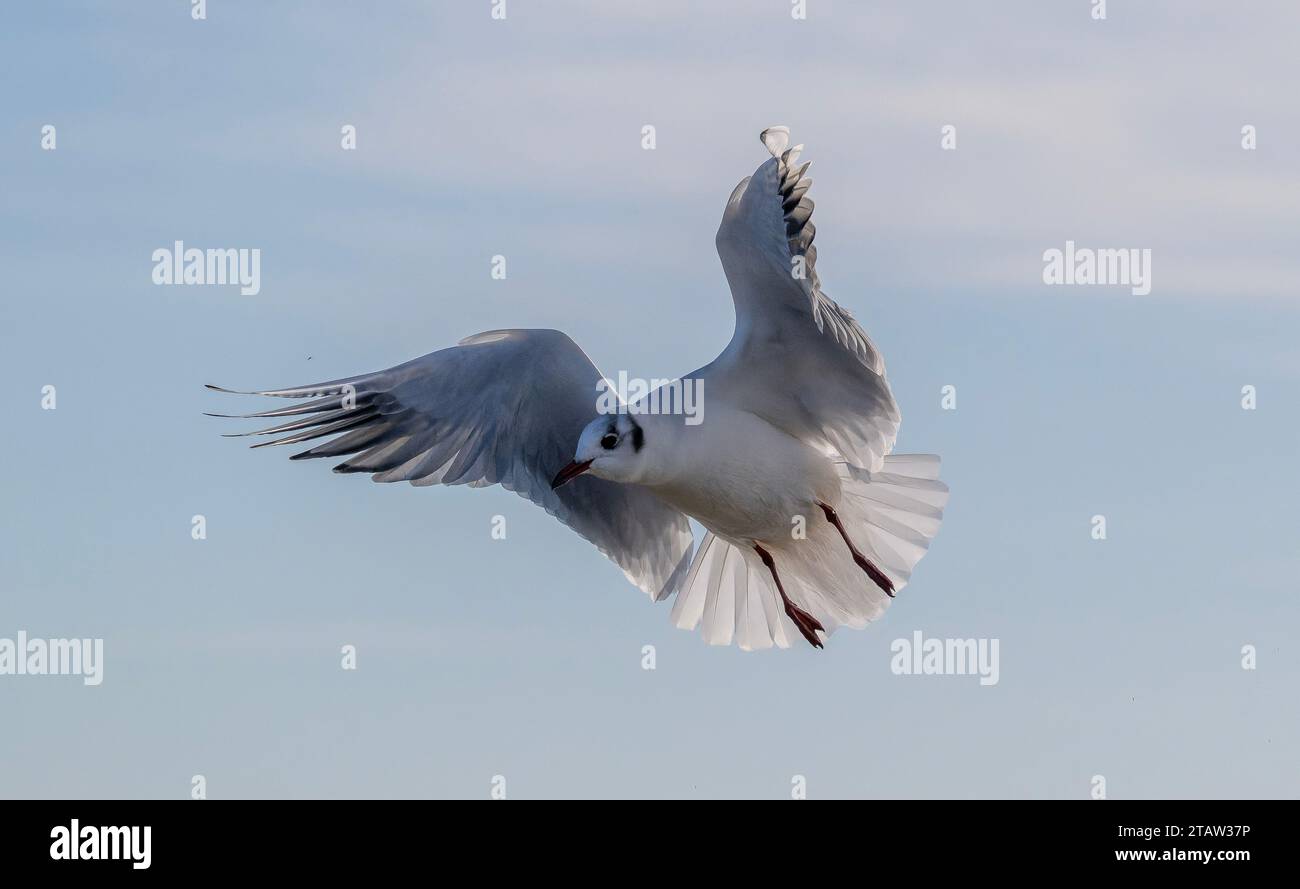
point(609, 448)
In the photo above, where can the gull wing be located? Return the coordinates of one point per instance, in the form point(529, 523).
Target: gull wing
point(502, 407)
point(797, 358)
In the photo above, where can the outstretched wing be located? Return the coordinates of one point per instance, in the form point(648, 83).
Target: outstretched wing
point(797, 359)
point(503, 407)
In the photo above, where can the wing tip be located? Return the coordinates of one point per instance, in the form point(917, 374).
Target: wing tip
point(775, 139)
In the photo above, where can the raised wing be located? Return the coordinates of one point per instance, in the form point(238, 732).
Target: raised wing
point(503, 407)
point(797, 359)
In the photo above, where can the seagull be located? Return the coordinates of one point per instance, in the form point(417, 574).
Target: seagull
point(811, 522)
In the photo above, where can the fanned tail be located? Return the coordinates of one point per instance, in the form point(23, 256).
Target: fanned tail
point(891, 516)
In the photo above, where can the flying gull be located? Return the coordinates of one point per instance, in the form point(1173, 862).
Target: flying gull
point(812, 523)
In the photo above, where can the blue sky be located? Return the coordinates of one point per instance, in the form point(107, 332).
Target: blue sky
point(522, 658)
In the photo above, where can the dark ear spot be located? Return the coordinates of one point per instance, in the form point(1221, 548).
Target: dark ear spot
point(638, 437)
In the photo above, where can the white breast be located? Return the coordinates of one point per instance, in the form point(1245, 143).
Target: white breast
point(743, 478)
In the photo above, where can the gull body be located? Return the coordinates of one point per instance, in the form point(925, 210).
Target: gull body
point(736, 474)
point(812, 521)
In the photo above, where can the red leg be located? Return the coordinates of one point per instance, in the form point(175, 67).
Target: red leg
point(807, 624)
point(862, 561)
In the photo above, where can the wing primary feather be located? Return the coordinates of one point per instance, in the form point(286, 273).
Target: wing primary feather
point(305, 423)
point(795, 195)
point(775, 139)
point(334, 387)
point(310, 407)
point(348, 443)
point(317, 433)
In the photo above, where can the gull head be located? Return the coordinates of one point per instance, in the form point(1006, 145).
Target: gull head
point(609, 448)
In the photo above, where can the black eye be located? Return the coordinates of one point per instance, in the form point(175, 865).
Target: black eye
point(609, 441)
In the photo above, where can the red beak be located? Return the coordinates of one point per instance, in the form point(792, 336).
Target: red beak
point(569, 473)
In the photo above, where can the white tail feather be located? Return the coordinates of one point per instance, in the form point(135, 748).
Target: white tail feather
point(891, 516)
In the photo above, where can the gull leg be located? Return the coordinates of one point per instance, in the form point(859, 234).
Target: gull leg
point(807, 624)
point(862, 561)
